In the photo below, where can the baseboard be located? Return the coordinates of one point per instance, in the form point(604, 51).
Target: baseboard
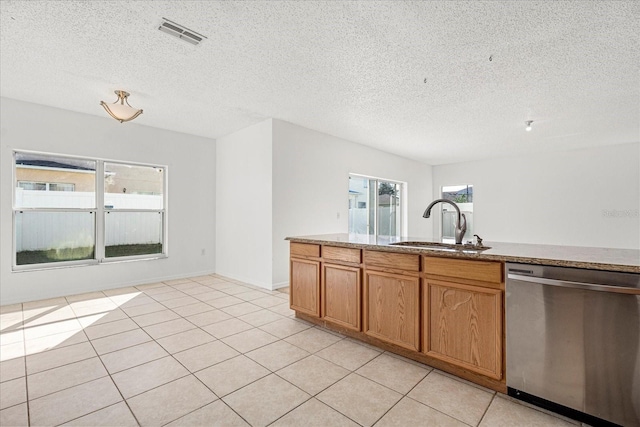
point(280, 285)
point(244, 280)
point(143, 281)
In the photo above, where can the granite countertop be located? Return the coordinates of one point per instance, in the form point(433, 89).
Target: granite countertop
point(625, 260)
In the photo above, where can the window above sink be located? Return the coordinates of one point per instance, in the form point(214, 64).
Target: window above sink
point(462, 195)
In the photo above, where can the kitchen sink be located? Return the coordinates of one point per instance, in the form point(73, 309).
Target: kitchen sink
point(447, 247)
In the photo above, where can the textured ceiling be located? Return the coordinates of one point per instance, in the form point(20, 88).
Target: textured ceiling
point(412, 78)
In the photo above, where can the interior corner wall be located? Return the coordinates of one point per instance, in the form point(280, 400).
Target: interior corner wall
point(311, 183)
point(244, 205)
point(190, 210)
point(587, 197)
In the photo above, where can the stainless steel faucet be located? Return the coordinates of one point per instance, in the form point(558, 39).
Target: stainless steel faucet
point(461, 223)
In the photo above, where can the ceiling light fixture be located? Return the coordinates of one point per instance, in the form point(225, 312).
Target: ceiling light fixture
point(121, 110)
point(528, 123)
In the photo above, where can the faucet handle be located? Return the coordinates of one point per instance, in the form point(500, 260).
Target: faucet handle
point(479, 240)
point(463, 220)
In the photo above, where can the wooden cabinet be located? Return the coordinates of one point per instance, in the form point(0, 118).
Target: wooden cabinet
point(392, 308)
point(304, 291)
point(447, 312)
point(463, 314)
point(340, 296)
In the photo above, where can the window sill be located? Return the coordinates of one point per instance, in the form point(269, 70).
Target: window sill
point(85, 263)
point(135, 258)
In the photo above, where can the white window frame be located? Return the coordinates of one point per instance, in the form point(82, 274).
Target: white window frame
point(403, 200)
point(98, 210)
point(106, 210)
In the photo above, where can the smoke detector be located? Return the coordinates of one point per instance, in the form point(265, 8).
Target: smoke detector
point(181, 32)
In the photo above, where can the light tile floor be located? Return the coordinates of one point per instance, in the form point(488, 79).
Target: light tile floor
point(210, 351)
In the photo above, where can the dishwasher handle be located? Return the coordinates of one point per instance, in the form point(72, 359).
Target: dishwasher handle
point(569, 284)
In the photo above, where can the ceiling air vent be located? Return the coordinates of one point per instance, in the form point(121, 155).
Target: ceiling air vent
point(183, 33)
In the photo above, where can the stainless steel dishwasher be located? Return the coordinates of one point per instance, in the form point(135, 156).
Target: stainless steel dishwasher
point(573, 342)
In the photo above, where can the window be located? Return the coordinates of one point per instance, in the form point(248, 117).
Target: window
point(57, 186)
point(461, 195)
point(133, 209)
point(39, 186)
point(46, 186)
point(60, 217)
point(375, 206)
point(50, 226)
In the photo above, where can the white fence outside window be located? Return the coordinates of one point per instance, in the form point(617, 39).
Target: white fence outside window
point(358, 219)
point(56, 230)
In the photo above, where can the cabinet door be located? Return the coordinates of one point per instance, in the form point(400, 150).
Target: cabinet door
point(463, 326)
point(341, 295)
point(392, 308)
point(305, 286)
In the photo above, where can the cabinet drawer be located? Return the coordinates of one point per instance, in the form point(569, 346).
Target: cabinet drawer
point(341, 254)
point(485, 271)
point(305, 249)
point(406, 262)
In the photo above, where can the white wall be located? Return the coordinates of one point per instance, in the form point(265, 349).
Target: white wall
point(243, 205)
point(311, 186)
point(191, 212)
point(588, 197)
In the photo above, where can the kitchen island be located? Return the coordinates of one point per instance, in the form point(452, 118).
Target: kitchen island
point(438, 305)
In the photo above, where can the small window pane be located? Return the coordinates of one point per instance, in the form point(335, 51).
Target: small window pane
point(133, 233)
point(389, 217)
point(36, 173)
point(360, 219)
point(375, 206)
point(461, 195)
point(35, 186)
point(133, 187)
point(61, 187)
point(43, 237)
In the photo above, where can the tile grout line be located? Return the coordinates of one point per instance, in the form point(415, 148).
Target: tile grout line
point(152, 340)
point(108, 374)
point(181, 364)
point(205, 385)
point(314, 396)
point(218, 398)
point(429, 406)
point(197, 301)
point(176, 379)
point(26, 383)
point(197, 327)
point(294, 408)
point(392, 406)
point(484, 414)
point(170, 354)
point(271, 372)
